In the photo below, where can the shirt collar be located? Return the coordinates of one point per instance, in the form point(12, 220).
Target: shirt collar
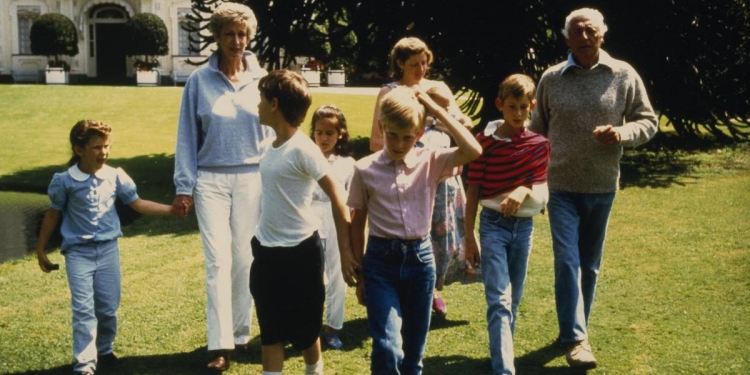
point(409, 160)
point(251, 65)
point(79, 175)
point(489, 131)
point(604, 59)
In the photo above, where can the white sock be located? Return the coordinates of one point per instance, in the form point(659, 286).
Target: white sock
point(271, 373)
point(316, 369)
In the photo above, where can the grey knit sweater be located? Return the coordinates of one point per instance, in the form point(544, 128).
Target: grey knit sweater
point(571, 102)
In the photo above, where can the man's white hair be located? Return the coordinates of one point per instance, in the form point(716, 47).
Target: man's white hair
point(592, 14)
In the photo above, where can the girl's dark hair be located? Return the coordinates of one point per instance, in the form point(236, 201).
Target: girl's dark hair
point(343, 145)
point(82, 133)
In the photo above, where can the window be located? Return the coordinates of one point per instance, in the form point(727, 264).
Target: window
point(183, 36)
point(26, 16)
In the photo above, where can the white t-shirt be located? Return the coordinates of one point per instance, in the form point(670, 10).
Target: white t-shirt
point(289, 175)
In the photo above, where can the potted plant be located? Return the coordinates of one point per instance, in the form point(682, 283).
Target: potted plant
point(336, 73)
point(53, 35)
point(311, 72)
point(146, 38)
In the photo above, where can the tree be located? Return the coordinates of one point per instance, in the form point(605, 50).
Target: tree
point(53, 34)
point(147, 36)
point(692, 54)
point(289, 29)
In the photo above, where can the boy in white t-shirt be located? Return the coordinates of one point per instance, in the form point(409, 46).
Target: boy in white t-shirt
point(287, 271)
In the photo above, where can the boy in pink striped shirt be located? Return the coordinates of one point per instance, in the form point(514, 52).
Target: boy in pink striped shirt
point(509, 180)
point(393, 190)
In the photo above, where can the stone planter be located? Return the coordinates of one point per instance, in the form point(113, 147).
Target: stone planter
point(311, 76)
point(55, 76)
point(336, 78)
point(147, 78)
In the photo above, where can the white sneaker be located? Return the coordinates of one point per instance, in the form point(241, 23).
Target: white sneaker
point(580, 355)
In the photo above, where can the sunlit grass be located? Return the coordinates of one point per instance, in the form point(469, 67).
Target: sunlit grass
point(673, 295)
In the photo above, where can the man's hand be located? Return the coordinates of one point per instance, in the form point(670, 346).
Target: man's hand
point(606, 135)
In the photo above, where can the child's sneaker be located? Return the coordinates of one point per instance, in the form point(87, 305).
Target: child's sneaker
point(332, 341)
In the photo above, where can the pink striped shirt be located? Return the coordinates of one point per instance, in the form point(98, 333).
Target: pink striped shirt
point(399, 195)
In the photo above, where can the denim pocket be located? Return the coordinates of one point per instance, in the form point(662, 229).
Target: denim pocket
point(424, 254)
point(383, 253)
point(491, 216)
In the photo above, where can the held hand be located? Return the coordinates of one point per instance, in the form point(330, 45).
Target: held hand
point(181, 205)
point(606, 135)
point(350, 269)
point(513, 202)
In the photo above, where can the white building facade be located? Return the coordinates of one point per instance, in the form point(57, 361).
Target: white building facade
point(100, 25)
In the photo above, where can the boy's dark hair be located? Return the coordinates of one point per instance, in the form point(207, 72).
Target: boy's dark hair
point(291, 91)
point(81, 134)
point(517, 86)
point(343, 145)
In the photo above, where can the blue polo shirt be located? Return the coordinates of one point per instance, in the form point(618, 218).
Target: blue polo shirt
point(87, 203)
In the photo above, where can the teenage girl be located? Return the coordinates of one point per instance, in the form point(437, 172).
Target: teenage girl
point(84, 198)
point(328, 130)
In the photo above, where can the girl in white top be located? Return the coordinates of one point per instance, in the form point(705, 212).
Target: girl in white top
point(329, 131)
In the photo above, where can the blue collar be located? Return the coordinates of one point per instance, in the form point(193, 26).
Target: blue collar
point(604, 59)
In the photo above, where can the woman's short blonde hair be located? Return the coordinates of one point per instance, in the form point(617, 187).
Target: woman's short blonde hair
point(401, 108)
point(403, 50)
point(233, 13)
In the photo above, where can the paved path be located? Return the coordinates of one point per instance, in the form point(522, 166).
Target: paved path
point(347, 90)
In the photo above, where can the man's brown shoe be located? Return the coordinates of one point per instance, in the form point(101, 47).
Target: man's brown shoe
point(580, 355)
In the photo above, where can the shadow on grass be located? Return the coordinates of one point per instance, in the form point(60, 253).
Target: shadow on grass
point(152, 174)
point(530, 363)
point(186, 363)
point(443, 322)
point(657, 164)
point(534, 362)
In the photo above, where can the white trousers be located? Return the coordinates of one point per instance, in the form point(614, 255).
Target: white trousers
point(335, 285)
point(228, 209)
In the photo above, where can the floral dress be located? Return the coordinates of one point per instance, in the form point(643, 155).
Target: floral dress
point(447, 217)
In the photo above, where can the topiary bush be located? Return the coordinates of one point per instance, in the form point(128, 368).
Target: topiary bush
point(53, 34)
point(146, 36)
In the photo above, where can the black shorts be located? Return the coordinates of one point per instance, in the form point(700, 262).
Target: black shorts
point(287, 286)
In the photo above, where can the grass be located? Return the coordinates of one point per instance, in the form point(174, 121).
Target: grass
point(672, 298)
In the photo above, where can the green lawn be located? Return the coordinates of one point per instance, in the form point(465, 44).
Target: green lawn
point(673, 296)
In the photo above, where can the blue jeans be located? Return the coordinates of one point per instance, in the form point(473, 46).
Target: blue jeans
point(94, 281)
point(506, 245)
point(399, 277)
point(578, 223)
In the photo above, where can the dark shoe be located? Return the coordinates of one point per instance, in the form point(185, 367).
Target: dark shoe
point(86, 372)
point(220, 362)
point(108, 361)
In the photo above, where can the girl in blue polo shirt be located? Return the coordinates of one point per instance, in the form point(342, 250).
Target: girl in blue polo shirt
point(84, 198)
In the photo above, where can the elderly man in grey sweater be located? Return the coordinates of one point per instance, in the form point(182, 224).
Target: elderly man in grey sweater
point(589, 107)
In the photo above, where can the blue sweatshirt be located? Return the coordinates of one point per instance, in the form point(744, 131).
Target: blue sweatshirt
point(219, 127)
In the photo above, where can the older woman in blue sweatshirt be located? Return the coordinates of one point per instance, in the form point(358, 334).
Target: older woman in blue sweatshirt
point(216, 168)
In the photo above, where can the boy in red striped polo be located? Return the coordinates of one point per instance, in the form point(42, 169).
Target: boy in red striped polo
point(509, 180)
